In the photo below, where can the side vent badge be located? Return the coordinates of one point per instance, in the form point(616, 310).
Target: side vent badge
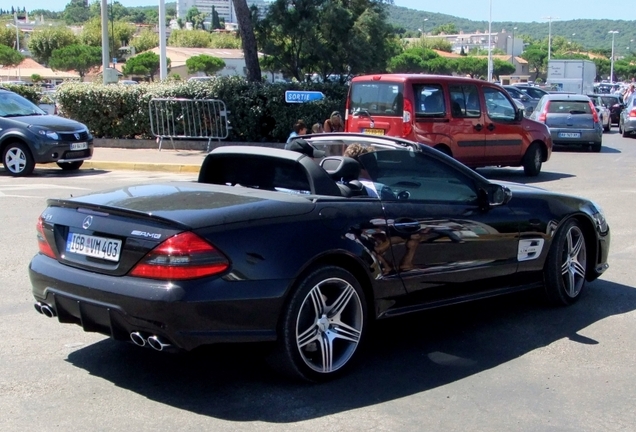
point(529, 249)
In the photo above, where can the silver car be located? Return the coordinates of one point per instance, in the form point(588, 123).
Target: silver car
point(603, 112)
point(627, 120)
point(572, 120)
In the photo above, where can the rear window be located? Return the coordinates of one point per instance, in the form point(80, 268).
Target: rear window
point(569, 107)
point(609, 101)
point(378, 98)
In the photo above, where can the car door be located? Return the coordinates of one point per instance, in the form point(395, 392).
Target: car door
point(467, 124)
point(440, 237)
point(504, 142)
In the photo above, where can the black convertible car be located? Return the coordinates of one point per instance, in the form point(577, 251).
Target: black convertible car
point(306, 249)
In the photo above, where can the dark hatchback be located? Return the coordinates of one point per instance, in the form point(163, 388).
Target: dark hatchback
point(29, 136)
point(274, 245)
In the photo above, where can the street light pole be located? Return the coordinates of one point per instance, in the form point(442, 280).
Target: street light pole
point(512, 53)
point(550, 18)
point(613, 33)
point(490, 44)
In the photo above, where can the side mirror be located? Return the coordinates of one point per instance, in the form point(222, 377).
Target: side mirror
point(519, 114)
point(498, 195)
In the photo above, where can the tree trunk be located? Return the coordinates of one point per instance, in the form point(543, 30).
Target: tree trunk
point(248, 40)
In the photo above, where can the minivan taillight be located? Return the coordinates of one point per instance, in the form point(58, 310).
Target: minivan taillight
point(407, 116)
point(594, 112)
point(544, 113)
point(184, 256)
point(43, 243)
point(632, 113)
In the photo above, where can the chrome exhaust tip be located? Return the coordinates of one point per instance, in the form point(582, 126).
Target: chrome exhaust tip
point(47, 311)
point(157, 344)
point(38, 307)
point(137, 339)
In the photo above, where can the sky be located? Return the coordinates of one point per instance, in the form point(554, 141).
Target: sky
point(502, 10)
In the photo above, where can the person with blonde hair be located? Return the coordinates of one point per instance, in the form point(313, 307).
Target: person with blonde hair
point(317, 128)
point(334, 123)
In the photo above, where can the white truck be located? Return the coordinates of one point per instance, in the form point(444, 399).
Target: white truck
point(576, 76)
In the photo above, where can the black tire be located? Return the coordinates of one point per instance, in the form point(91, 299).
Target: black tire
point(566, 265)
point(608, 127)
point(621, 129)
point(17, 160)
point(596, 147)
point(70, 166)
point(311, 327)
point(532, 161)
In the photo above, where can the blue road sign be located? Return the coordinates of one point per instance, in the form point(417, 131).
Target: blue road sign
point(299, 96)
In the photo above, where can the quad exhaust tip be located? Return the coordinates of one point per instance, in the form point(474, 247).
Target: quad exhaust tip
point(154, 342)
point(45, 309)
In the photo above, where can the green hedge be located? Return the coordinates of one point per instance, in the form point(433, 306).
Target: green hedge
point(258, 111)
point(32, 93)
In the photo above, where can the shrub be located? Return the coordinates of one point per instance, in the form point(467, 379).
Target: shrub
point(257, 111)
point(32, 93)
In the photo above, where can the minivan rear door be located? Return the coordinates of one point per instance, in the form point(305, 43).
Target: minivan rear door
point(376, 107)
point(504, 140)
point(466, 126)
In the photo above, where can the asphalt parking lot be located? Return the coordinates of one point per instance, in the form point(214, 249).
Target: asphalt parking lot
point(510, 363)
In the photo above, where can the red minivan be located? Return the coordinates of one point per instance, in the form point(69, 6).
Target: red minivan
point(474, 121)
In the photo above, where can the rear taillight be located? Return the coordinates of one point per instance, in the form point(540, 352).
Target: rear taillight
point(594, 112)
point(632, 113)
point(407, 116)
point(184, 256)
point(43, 243)
point(544, 113)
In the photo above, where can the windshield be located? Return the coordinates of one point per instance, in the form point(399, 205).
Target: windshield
point(377, 98)
point(14, 105)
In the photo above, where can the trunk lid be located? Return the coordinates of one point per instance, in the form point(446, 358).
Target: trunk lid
point(109, 232)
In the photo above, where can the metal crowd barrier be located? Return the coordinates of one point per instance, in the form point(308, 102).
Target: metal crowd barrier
point(196, 119)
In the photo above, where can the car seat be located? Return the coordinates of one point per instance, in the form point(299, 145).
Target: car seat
point(345, 172)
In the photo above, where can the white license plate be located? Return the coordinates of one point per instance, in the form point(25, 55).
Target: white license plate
point(79, 146)
point(569, 135)
point(93, 246)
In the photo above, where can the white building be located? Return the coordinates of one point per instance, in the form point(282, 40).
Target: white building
point(225, 8)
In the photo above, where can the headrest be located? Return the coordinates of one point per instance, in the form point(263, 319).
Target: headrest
point(341, 167)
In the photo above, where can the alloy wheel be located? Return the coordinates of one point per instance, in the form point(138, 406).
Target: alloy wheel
point(574, 262)
point(329, 325)
point(15, 160)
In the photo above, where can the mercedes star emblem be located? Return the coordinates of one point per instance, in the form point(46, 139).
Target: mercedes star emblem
point(87, 222)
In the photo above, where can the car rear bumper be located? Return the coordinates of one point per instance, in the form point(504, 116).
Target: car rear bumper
point(586, 136)
point(187, 314)
point(629, 125)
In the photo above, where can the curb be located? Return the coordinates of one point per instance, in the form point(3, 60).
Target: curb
point(141, 166)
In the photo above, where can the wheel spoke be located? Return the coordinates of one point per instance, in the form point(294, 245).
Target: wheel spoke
point(346, 332)
point(577, 247)
point(326, 349)
point(341, 302)
point(565, 267)
point(318, 302)
point(578, 268)
point(570, 246)
point(570, 285)
point(308, 336)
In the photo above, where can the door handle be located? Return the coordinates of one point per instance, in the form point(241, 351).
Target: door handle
point(491, 127)
point(478, 127)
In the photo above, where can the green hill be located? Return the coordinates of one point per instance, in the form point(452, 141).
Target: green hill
point(590, 33)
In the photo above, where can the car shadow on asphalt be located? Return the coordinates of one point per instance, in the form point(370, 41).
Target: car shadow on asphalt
point(579, 149)
point(59, 173)
point(404, 356)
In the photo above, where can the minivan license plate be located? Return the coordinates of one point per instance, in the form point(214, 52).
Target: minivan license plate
point(79, 146)
point(93, 246)
point(569, 135)
point(374, 131)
